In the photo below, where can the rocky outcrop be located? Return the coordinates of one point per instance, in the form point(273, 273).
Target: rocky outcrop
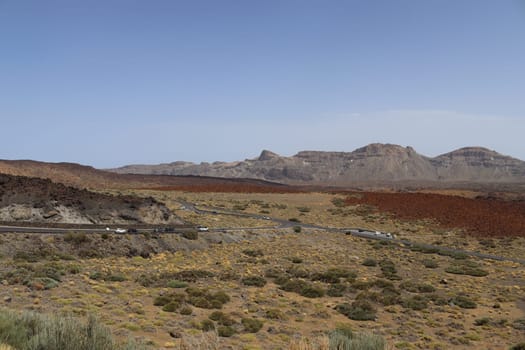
point(39, 200)
point(377, 162)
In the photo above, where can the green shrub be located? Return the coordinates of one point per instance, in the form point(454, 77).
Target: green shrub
point(187, 275)
point(186, 310)
point(225, 331)
point(115, 278)
point(346, 339)
point(229, 275)
point(370, 262)
point(415, 287)
point(177, 284)
point(359, 310)
point(256, 281)
point(338, 202)
point(97, 275)
point(297, 229)
point(310, 291)
point(464, 302)
point(204, 299)
point(28, 331)
point(293, 285)
point(252, 325)
point(416, 302)
point(519, 324)
point(274, 314)
point(424, 249)
point(76, 238)
point(386, 297)
point(520, 346)
point(221, 318)
point(298, 272)
point(207, 325)
point(253, 252)
point(389, 270)
point(336, 290)
point(334, 275)
point(296, 260)
point(430, 263)
point(191, 235)
point(172, 306)
point(482, 321)
point(466, 268)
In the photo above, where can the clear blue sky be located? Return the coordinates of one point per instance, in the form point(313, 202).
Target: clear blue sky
point(112, 82)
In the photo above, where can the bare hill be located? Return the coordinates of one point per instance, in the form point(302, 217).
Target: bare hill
point(375, 163)
point(39, 200)
point(82, 176)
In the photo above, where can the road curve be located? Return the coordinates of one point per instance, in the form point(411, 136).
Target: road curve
point(281, 224)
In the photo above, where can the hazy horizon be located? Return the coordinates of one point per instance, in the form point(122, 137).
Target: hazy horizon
point(110, 83)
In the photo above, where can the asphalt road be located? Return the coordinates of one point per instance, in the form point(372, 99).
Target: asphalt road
point(279, 224)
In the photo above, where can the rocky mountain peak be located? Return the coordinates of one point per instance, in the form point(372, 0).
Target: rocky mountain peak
point(267, 155)
point(383, 149)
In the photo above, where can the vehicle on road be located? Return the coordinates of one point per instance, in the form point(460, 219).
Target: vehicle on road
point(266, 217)
point(120, 230)
point(202, 229)
point(132, 230)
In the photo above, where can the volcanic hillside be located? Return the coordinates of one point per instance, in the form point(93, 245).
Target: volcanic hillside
point(39, 200)
point(82, 176)
point(375, 163)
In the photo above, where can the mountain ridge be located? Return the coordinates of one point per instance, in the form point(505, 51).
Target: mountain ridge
point(374, 162)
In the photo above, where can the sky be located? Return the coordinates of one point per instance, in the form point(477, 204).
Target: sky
point(114, 82)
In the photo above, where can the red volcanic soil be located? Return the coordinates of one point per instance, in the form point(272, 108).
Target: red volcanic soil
point(479, 216)
point(209, 184)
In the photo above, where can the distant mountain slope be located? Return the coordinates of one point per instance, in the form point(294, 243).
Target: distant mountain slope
point(380, 163)
point(82, 176)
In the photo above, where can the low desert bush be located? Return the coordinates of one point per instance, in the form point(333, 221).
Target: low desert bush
point(359, 310)
point(336, 290)
point(414, 287)
point(221, 318)
point(389, 270)
point(225, 331)
point(370, 262)
point(466, 268)
point(76, 238)
point(311, 291)
point(191, 235)
point(430, 263)
point(205, 299)
point(29, 331)
point(464, 302)
point(252, 325)
point(253, 252)
point(176, 284)
point(334, 275)
point(256, 281)
point(416, 302)
point(519, 324)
